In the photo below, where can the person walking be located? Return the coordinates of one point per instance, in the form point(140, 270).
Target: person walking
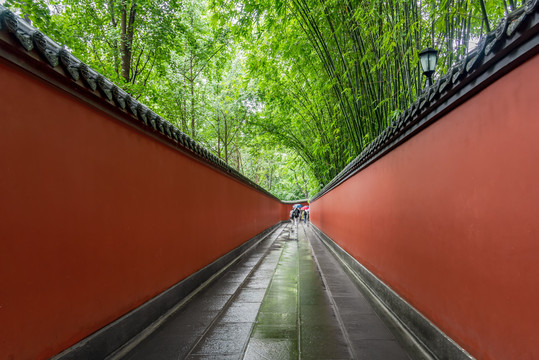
point(295, 215)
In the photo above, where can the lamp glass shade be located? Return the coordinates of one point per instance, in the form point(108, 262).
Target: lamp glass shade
point(424, 62)
point(428, 58)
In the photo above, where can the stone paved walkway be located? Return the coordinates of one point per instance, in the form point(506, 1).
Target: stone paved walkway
point(288, 299)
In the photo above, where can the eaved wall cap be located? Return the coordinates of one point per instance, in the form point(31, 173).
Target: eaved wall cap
point(517, 27)
point(74, 69)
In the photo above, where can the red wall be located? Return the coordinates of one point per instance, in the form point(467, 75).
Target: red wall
point(449, 219)
point(97, 218)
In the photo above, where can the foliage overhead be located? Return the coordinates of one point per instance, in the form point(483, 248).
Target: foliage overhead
point(286, 91)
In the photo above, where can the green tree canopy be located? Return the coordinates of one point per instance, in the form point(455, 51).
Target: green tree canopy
point(286, 92)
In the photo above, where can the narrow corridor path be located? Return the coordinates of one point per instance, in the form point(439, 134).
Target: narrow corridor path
point(288, 299)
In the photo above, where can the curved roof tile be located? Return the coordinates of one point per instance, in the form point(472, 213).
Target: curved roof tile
point(55, 55)
point(520, 26)
point(515, 25)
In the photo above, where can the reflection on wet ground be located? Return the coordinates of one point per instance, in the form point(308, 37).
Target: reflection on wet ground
point(288, 299)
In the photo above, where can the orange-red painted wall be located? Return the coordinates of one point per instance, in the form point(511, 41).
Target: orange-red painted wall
point(450, 219)
point(97, 217)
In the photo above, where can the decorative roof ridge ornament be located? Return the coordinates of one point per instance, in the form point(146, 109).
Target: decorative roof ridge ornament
point(118, 95)
point(531, 6)
point(476, 58)
point(3, 12)
point(69, 63)
point(434, 91)
point(516, 20)
point(499, 36)
point(47, 48)
point(460, 70)
point(88, 75)
point(22, 31)
point(131, 104)
point(142, 112)
point(105, 86)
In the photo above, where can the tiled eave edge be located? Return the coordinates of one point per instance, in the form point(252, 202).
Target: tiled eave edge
point(28, 48)
point(291, 202)
point(515, 40)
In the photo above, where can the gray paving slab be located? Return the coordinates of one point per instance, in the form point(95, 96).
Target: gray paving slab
point(240, 315)
point(367, 334)
point(197, 324)
point(379, 350)
point(321, 336)
point(224, 339)
point(251, 295)
point(270, 348)
point(289, 299)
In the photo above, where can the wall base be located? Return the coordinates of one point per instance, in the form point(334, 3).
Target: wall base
point(115, 335)
point(421, 338)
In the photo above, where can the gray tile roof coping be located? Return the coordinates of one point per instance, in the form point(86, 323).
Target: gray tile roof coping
point(519, 26)
point(55, 55)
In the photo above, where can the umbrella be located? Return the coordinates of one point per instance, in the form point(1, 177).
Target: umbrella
point(296, 206)
point(305, 208)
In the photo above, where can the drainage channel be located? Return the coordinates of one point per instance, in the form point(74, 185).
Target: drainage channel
point(274, 304)
point(276, 333)
point(368, 335)
point(227, 336)
point(297, 319)
point(189, 325)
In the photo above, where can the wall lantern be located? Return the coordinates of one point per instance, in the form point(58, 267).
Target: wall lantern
point(428, 58)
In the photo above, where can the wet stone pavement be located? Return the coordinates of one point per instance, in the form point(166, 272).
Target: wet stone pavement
point(287, 299)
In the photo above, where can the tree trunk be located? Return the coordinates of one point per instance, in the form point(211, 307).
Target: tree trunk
point(192, 86)
point(184, 113)
point(306, 191)
point(126, 41)
point(298, 185)
point(218, 136)
point(225, 138)
point(485, 16)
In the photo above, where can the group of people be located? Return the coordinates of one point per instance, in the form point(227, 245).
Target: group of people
point(299, 213)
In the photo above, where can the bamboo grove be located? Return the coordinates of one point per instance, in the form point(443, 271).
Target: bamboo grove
point(286, 91)
point(350, 67)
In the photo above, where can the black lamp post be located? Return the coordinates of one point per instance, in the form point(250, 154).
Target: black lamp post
point(428, 58)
